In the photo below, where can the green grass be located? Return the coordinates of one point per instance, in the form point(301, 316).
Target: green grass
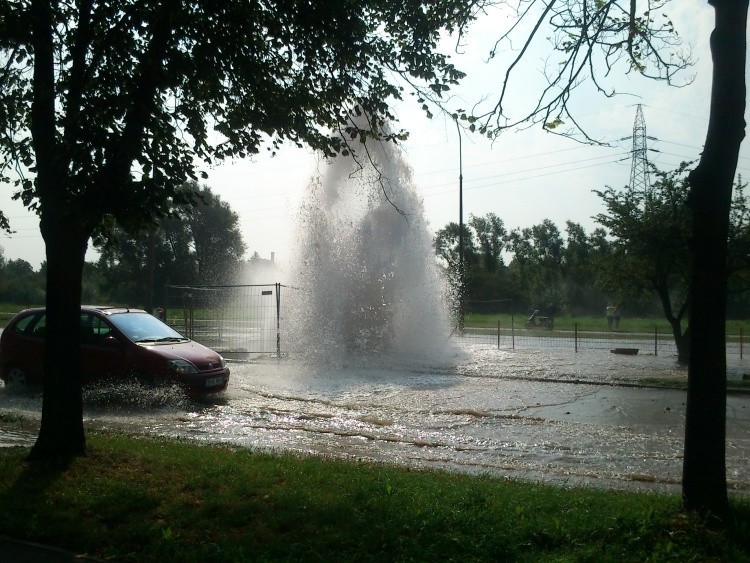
point(13, 308)
point(7, 310)
point(593, 323)
point(481, 320)
point(154, 500)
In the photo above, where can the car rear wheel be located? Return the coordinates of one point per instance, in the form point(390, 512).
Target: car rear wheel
point(15, 376)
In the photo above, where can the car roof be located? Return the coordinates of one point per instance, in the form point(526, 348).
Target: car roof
point(110, 310)
point(104, 309)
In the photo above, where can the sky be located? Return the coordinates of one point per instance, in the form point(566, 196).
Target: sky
point(523, 177)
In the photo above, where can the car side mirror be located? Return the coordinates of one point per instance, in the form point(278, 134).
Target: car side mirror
point(111, 342)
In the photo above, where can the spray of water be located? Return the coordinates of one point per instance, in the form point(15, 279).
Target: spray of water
point(368, 281)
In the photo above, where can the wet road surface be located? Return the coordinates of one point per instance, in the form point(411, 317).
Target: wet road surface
point(554, 416)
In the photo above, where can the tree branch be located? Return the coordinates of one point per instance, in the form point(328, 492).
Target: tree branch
point(77, 72)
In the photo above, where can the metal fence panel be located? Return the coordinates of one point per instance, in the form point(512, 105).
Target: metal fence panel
point(250, 319)
point(240, 318)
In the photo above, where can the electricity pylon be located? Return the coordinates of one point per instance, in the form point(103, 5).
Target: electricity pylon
point(639, 173)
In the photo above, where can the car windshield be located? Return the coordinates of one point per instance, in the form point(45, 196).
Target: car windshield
point(142, 327)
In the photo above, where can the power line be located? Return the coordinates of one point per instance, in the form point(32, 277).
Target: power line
point(526, 170)
point(494, 184)
point(497, 162)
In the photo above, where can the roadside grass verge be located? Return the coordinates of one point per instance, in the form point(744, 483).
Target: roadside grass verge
point(150, 499)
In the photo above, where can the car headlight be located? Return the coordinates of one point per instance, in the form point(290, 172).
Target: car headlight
point(222, 362)
point(182, 366)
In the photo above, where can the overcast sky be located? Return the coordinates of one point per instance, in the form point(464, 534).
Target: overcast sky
point(523, 177)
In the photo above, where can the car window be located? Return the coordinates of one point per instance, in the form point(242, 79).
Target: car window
point(101, 328)
point(22, 326)
point(142, 327)
point(93, 329)
point(87, 330)
point(40, 327)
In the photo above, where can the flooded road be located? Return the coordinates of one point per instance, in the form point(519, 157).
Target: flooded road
point(554, 416)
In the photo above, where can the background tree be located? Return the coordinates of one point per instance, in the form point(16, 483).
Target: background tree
point(199, 245)
point(738, 302)
point(649, 252)
point(107, 107)
point(19, 283)
point(651, 231)
point(537, 265)
point(446, 246)
point(487, 287)
point(580, 255)
point(544, 271)
point(217, 239)
point(489, 282)
point(490, 234)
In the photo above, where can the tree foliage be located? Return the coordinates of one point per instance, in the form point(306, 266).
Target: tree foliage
point(638, 257)
point(588, 41)
point(144, 89)
point(19, 283)
point(200, 244)
point(651, 234)
point(544, 270)
point(490, 234)
point(485, 273)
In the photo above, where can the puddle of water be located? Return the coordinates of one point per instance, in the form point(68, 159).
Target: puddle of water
point(12, 439)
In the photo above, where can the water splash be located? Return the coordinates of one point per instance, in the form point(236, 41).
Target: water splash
point(134, 395)
point(369, 285)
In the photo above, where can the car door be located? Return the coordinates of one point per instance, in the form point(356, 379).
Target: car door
point(102, 353)
point(25, 346)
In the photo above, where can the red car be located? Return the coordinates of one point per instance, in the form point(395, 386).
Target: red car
point(117, 344)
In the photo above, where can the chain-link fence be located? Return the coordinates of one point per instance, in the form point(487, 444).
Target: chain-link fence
point(238, 318)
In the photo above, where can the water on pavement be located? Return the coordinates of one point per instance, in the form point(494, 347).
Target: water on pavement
point(550, 415)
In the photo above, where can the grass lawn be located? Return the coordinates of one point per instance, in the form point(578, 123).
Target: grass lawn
point(7, 310)
point(628, 325)
point(143, 499)
point(593, 323)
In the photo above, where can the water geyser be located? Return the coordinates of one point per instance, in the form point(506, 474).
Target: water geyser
point(368, 282)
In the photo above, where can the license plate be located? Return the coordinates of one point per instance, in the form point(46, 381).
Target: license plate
point(214, 381)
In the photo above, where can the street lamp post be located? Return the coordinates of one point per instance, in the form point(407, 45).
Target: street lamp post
point(461, 312)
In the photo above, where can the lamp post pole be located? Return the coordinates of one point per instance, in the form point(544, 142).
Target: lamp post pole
point(461, 312)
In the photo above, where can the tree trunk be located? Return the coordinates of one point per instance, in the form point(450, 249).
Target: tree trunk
point(704, 469)
point(682, 341)
point(61, 436)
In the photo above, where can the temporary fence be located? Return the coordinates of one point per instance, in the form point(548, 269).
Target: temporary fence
point(537, 329)
point(507, 333)
point(250, 319)
point(230, 318)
